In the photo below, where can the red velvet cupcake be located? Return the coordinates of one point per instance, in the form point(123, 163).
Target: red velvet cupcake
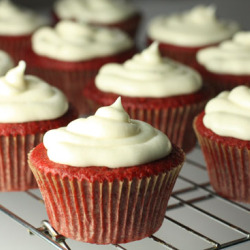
point(182, 35)
point(6, 62)
point(225, 66)
point(105, 13)
point(17, 26)
point(71, 54)
point(223, 133)
point(29, 107)
point(157, 90)
point(106, 179)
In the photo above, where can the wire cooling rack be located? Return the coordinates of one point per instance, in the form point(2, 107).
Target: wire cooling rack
point(196, 218)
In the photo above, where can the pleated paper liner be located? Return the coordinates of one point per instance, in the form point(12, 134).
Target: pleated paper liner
point(228, 164)
point(182, 54)
point(16, 141)
point(15, 46)
point(221, 82)
point(116, 209)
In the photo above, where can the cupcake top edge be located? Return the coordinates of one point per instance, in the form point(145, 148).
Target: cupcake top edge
point(148, 74)
point(98, 11)
point(15, 20)
point(229, 57)
point(71, 41)
point(196, 27)
point(25, 98)
point(228, 114)
point(108, 138)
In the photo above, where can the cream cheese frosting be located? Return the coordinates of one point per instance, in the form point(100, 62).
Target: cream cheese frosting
point(25, 98)
point(196, 27)
point(231, 56)
point(15, 20)
point(228, 114)
point(6, 62)
point(148, 74)
point(104, 11)
point(108, 138)
point(71, 41)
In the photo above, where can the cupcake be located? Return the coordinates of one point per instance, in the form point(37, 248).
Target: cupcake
point(16, 26)
point(226, 66)
point(106, 178)
point(155, 89)
point(70, 54)
point(28, 108)
point(107, 13)
point(6, 62)
point(223, 131)
point(181, 35)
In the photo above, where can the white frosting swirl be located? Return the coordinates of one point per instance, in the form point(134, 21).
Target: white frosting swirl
point(15, 20)
point(71, 41)
point(109, 138)
point(6, 62)
point(104, 11)
point(232, 56)
point(25, 98)
point(197, 27)
point(228, 114)
point(148, 74)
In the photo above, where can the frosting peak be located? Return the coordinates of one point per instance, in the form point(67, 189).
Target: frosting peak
point(25, 98)
point(108, 138)
point(15, 76)
point(148, 74)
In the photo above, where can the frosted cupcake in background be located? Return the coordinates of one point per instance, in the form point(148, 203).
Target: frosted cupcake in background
point(70, 54)
point(182, 35)
point(6, 62)
point(106, 178)
point(16, 27)
point(223, 131)
point(226, 66)
point(154, 89)
point(120, 14)
point(28, 108)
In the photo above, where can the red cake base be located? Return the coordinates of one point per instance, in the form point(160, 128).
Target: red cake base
point(106, 205)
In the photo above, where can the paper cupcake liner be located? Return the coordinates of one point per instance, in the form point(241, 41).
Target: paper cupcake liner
point(228, 168)
point(15, 174)
point(222, 82)
point(15, 46)
point(182, 54)
point(106, 212)
point(175, 122)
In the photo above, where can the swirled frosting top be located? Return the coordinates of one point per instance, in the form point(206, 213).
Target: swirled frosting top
point(231, 56)
point(148, 74)
point(104, 11)
point(6, 62)
point(108, 138)
point(71, 41)
point(15, 20)
point(228, 114)
point(25, 98)
point(197, 27)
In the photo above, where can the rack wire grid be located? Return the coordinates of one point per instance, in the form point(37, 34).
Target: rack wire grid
point(196, 218)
